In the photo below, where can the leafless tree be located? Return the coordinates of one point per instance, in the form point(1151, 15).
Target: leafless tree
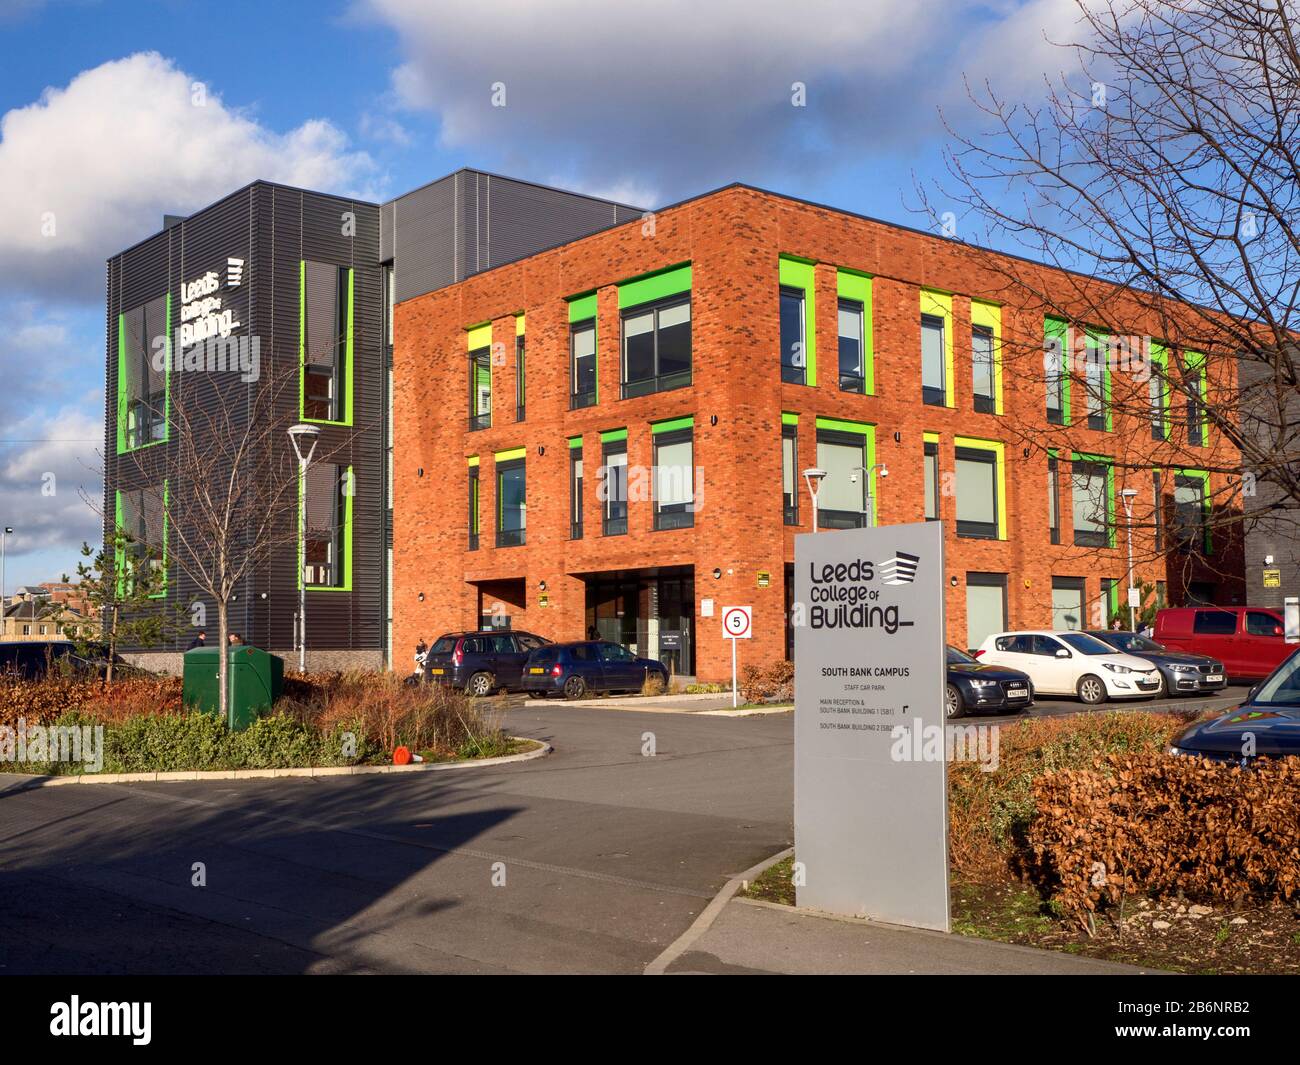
point(1165, 160)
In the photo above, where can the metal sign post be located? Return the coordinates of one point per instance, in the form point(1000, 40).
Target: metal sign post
point(737, 624)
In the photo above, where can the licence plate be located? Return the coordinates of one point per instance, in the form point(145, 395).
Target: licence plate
point(1213, 677)
point(436, 672)
point(535, 669)
point(1017, 692)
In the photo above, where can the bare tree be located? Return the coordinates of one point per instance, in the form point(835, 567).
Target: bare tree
point(1166, 162)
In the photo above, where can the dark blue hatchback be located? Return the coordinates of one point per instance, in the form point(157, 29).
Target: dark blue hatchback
point(1266, 725)
point(574, 669)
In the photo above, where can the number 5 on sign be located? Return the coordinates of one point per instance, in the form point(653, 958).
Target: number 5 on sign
point(737, 624)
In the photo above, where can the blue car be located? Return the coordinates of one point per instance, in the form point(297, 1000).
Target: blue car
point(575, 669)
point(1266, 725)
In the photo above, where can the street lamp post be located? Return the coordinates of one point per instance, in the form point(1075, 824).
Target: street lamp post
point(867, 471)
point(813, 478)
point(1127, 495)
point(4, 542)
point(303, 436)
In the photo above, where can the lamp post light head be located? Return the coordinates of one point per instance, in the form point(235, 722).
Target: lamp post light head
point(1129, 493)
point(304, 436)
point(814, 476)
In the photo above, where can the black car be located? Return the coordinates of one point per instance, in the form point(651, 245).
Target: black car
point(32, 659)
point(1181, 672)
point(574, 669)
point(1267, 724)
point(481, 662)
point(972, 686)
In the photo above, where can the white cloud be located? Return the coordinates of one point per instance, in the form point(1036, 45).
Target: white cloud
point(100, 160)
point(692, 95)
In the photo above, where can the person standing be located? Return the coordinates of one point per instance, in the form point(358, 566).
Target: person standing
point(201, 640)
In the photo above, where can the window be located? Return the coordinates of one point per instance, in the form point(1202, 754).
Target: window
point(1195, 395)
point(575, 492)
point(1090, 499)
point(614, 487)
point(932, 361)
point(1214, 622)
point(852, 366)
point(512, 507)
point(674, 480)
point(326, 505)
point(473, 507)
point(794, 359)
point(1257, 624)
point(142, 520)
point(1096, 383)
point(977, 493)
point(842, 496)
point(986, 606)
point(388, 307)
point(1053, 499)
point(1157, 393)
point(790, 474)
point(932, 483)
point(144, 352)
point(519, 378)
point(326, 313)
point(1189, 527)
point(1158, 517)
point(982, 368)
point(480, 389)
point(582, 364)
point(1067, 603)
point(657, 347)
point(1055, 371)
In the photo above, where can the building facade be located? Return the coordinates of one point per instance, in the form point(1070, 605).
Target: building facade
point(300, 285)
point(607, 438)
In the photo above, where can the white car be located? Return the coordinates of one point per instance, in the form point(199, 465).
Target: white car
point(1072, 663)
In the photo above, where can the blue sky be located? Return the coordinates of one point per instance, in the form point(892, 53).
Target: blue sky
point(112, 114)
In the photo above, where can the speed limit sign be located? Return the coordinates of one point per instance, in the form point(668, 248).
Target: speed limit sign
point(738, 622)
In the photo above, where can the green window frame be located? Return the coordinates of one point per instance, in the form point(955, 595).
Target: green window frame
point(134, 411)
point(582, 320)
point(345, 480)
point(1197, 420)
point(854, 292)
point(1096, 368)
point(1056, 369)
point(123, 567)
point(1092, 464)
point(344, 361)
point(795, 278)
point(1177, 532)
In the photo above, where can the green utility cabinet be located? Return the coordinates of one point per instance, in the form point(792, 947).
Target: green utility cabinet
point(256, 680)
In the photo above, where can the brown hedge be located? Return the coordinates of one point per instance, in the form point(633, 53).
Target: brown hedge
point(770, 683)
point(1154, 824)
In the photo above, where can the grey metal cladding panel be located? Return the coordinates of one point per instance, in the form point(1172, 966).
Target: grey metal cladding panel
point(386, 214)
point(525, 219)
point(143, 272)
point(424, 239)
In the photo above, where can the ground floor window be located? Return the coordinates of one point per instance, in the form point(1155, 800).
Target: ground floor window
point(652, 614)
point(1067, 603)
point(986, 606)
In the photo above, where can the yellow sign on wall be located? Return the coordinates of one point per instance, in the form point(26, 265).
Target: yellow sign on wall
point(1272, 578)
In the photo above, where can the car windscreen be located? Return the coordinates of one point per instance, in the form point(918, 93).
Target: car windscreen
point(1133, 643)
point(1085, 644)
point(444, 646)
point(959, 658)
point(1283, 687)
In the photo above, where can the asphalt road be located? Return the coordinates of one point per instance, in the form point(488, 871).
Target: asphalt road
point(593, 859)
point(607, 855)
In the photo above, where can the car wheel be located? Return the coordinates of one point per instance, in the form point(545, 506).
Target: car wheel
point(1162, 692)
point(480, 684)
point(952, 700)
point(537, 695)
point(1092, 690)
point(575, 688)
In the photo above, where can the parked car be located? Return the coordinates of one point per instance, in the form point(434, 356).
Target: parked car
point(1072, 663)
point(1248, 640)
point(32, 659)
point(974, 685)
point(574, 669)
point(1180, 671)
point(1267, 724)
point(481, 662)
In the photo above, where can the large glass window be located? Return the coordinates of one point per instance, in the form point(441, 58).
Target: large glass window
point(986, 606)
point(794, 354)
point(982, 368)
point(1067, 603)
point(575, 493)
point(1189, 512)
point(1089, 490)
point(674, 480)
point(480, 389)
point(933, 384)
point(932, 482)
point(1195, 409)
point(1055, 370)
point(142, 384)
point(657, 347)
point(582, 364)
point(977, 493)
point(141, 519)
point(842, 496)
point(325, 334)
point(613, 487)
point(326, 506)
point(473, 508)
point(1156, 396)
point(519, 378)
point(512, 506)
point(790, 474)
point(1095, 381)
point(852, 368)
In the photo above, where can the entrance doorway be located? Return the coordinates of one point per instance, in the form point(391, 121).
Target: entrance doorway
point(650, 612)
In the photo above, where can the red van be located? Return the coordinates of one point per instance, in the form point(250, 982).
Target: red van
point(1248, 640)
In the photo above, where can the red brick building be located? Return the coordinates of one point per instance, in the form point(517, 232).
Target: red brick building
point(685, 368)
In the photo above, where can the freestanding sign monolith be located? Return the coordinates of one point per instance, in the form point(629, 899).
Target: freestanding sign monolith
point(870, 775)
